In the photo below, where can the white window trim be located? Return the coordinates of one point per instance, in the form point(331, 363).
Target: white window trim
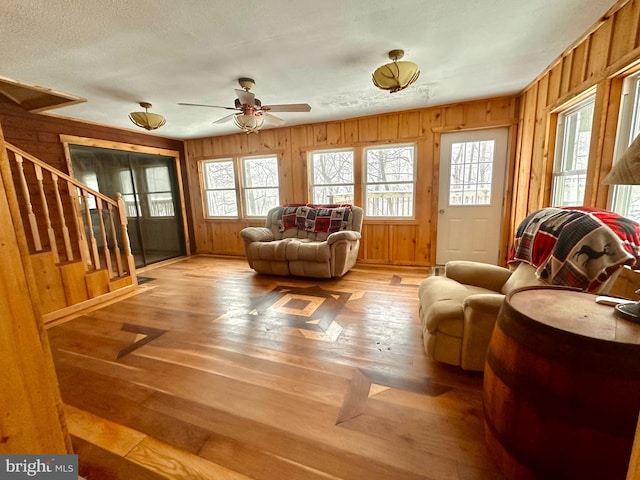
point(242, 208)
point(239, 185)
point(311, 179)
point(627, 124)
point(365, 183)
point(560, 147)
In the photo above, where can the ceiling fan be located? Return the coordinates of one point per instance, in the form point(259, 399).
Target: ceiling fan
point(250, 114)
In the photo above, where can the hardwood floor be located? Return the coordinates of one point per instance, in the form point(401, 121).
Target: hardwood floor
point(211, 371)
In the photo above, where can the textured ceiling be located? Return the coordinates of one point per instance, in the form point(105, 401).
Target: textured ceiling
point(116, 53)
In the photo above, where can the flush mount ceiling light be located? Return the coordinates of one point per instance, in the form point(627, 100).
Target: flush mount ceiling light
point(395, 76)
point(147, 120)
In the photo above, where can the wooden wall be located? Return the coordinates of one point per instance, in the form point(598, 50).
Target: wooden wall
point(32, 419)
point(39, 135)
point(400, 242)
point(597, 61)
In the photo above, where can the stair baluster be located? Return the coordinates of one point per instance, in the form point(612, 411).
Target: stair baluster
point(33, 223)
point(63, 222)
point(53, 244)
point(114, 235)
point(79, 224)
point(103, 235)
point(95, 256)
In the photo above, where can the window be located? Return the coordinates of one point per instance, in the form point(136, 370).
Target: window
point(471, 173)
point(389, 181)
point(573, 140)
point(331, 177)
point(259, 187)
point(220, 188)
point(626, 198)
point(159, 193)
point(131, 200)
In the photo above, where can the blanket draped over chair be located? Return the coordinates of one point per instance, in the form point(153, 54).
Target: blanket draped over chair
point(578, 246)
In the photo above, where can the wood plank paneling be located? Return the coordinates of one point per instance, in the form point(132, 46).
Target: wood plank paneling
point(402, 242)
point(32, 419)
point(598, 58)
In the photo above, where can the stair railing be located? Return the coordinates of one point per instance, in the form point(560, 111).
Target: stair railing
point(86, 220)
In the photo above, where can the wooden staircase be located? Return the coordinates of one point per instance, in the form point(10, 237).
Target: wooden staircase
point(73, 238)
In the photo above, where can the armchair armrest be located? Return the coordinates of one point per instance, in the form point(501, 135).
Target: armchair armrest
point(484, 275)
point(257, 234)
point(484, 302)
point(349, 235)
point(480, 314)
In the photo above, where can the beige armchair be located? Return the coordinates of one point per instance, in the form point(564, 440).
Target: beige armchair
point(305, 240)
point(458, 310)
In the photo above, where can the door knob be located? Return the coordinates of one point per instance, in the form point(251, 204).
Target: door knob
point(441, 210)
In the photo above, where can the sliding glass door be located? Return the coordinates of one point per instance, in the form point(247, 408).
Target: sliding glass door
point(149, 186)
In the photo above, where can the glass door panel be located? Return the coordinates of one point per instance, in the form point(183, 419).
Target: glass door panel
point(148, 184)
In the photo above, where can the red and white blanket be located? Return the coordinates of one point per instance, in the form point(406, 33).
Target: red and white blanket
point(578, 246)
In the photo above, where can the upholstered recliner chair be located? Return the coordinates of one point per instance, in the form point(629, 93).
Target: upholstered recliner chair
point(458, 310)
point(305, 240)
point(582, 248)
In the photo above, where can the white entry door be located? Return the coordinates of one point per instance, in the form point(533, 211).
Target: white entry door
point(472, 174)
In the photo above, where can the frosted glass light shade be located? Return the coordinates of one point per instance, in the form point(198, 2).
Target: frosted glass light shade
point(146, 119)
point(395, 76)
point(249, 123)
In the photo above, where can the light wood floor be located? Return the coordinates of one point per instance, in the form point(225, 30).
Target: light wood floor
point(211, 371)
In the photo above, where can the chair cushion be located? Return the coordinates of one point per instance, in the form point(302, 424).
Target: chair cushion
point(274, 250)
point(441, 301)
point(305, 249)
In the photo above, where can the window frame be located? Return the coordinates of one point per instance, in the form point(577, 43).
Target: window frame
point(244, 188)
point(150, 200)
point(239, 189)
point(311, 180)
point(628, 128)
point(558, 171)
point(365, 183)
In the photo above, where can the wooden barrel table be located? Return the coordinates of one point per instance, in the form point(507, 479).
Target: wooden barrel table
point(561, 387)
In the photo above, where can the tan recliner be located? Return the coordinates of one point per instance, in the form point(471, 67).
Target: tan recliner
point(294, 241)
point(458, 310)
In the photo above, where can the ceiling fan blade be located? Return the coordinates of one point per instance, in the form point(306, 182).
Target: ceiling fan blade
point(246, 98)
point(291, 107)
point(225, 119)
point(273, 120)
point(201, 105)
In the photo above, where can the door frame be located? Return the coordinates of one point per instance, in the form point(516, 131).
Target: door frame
point(129, 147)
point(508, 213)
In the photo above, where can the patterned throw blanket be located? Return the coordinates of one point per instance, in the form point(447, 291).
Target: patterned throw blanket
point(578, 247)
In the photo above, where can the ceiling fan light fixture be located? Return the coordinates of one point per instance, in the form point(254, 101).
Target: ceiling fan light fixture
point(395, 76)
point(249, 123)
point(146, 119)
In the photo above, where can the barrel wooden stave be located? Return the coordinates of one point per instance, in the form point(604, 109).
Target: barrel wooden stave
point(553, 414)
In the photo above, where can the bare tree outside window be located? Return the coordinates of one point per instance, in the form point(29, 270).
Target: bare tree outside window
point(220, 188)
point(471, 173)
point(572, 154)
point(260, 183)
point(332, 177)
point(159, 192)
point(131, 199)
point(390, 178)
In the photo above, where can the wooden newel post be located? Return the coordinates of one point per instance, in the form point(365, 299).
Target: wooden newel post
point(126, 244)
